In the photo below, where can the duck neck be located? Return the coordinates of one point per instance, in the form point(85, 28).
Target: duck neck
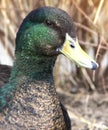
point(36, 96)
point(24, 70)
point(38, 68)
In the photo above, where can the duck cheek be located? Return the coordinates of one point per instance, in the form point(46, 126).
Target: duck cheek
point(50, 52)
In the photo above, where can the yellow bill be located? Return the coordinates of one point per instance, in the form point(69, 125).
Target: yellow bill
point(72, 50)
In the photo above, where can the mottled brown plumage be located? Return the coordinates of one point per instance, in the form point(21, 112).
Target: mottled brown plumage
point(24, 102)
point(23, 112)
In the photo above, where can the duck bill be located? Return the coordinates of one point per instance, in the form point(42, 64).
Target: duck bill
point(72, 50)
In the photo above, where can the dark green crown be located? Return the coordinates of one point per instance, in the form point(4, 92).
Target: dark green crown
point(43, 30)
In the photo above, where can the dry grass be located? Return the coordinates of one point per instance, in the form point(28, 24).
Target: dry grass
point(91, 20)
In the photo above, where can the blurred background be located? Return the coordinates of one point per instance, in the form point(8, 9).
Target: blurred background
point(82, 91)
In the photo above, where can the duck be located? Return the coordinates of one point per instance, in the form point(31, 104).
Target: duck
point(29, 100)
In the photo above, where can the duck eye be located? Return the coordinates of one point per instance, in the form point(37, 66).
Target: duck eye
point(72, 45)
point(49, 23)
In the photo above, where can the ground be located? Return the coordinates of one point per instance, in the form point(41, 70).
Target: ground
point(87, 110)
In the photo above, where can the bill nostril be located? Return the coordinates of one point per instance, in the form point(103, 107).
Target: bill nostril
point(94, 65)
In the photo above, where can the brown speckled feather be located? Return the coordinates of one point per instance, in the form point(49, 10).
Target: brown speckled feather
point(26, 111)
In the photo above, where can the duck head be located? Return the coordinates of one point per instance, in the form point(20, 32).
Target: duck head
point(49, 31)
